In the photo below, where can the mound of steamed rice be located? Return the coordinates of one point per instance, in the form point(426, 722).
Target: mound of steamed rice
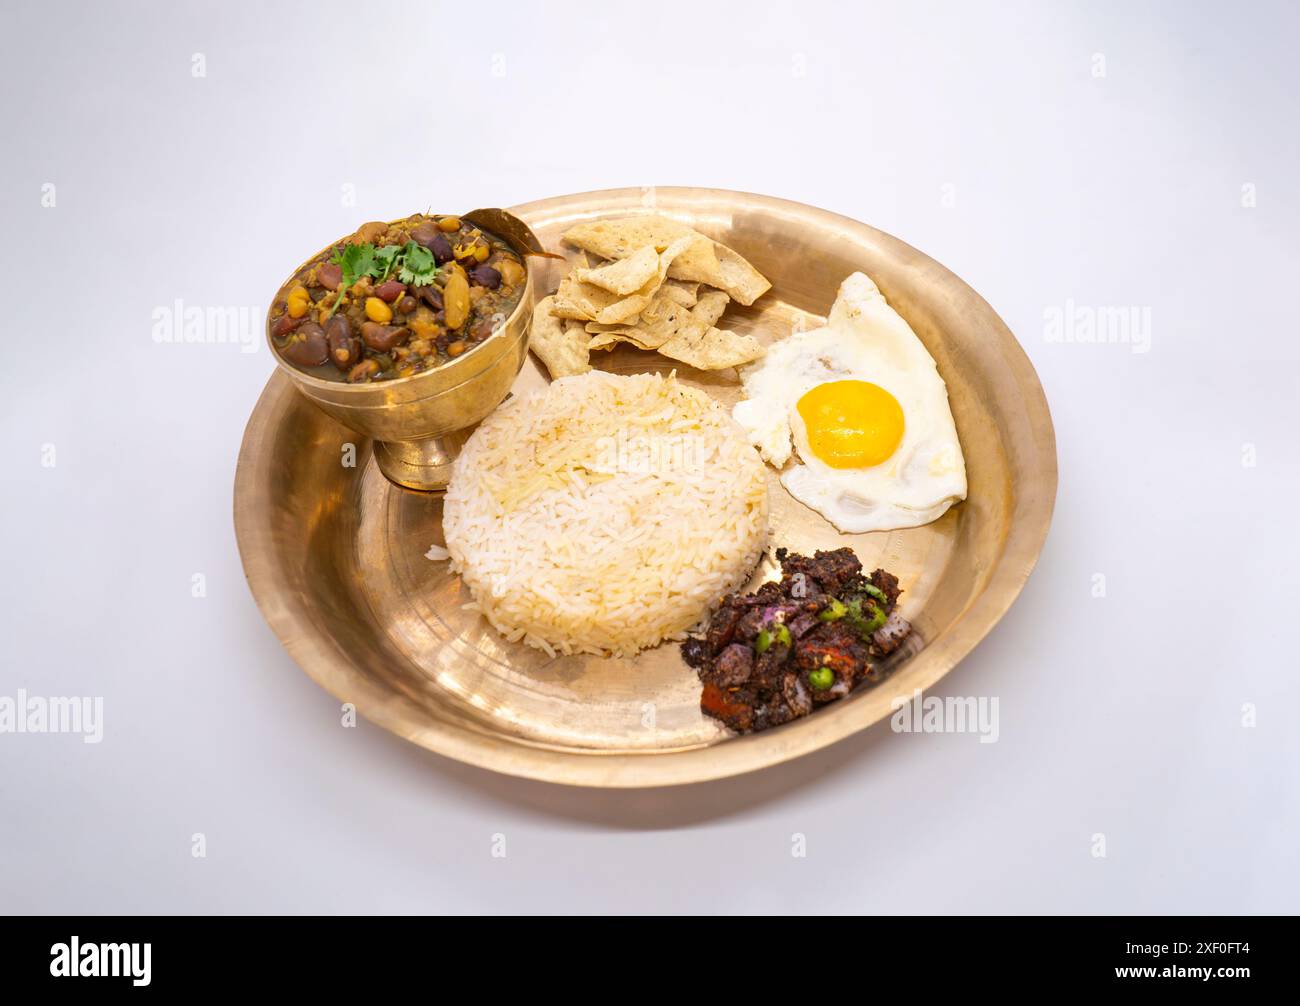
point(605, 514)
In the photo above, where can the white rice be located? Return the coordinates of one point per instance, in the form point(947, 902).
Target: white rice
point(605, 513)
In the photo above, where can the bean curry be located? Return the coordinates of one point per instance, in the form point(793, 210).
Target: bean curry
point(396, 299)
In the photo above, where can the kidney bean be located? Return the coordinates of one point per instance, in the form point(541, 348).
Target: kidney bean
point(441, 248)
point(431, 295)
point(308, 347)
point(390, 290)
point(407, 304)
point(285, 324)
point(485, 275)
point(382, 338)
point(424, 233)
point(330, 275)
point(345, 348)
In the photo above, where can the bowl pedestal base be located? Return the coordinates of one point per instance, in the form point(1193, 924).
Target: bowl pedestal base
point(420, 465)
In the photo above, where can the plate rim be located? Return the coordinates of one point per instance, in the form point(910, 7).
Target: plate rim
point(1026, 536)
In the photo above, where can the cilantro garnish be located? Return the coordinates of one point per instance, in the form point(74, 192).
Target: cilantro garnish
point(418, 267)
point(413, 263)
point(384, 258)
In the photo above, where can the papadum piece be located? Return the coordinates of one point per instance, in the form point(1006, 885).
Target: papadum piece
point(708, 309)
point(664, 321)
point(712, 350)
point(623, 237)
point(705, 347)
point(623, 276)
point(588, 302)
point(584, 302)
point(608, 340)
point(684, 293)
point(562, 344)
point(703, 261)
point(737, 277)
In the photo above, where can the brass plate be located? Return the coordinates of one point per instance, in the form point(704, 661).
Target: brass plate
point(335, 555)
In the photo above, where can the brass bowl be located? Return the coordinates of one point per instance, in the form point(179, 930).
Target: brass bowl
point(335, 556)
point(418, 423)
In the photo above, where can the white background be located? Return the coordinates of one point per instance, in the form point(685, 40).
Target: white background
point(1120, 715)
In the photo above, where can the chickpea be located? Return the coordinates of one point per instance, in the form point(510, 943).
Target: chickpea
point(511, 271)
point(423, 324)
point(297, 302)
point(363, 371)
point(369, 233)
point(449, 224)
point(377, 310)
point(329, 275)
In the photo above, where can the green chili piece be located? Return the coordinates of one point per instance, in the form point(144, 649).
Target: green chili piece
point(875, 592)
point(834, 611)
point(875, 622)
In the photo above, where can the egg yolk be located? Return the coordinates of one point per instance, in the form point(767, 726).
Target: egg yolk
point(851, 424)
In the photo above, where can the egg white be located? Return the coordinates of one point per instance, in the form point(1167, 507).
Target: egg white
point(864, 339)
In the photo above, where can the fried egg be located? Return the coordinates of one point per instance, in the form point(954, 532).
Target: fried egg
point(861, 403)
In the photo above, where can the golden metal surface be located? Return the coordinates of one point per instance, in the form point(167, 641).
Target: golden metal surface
point(336, 556)
point(410, 412)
